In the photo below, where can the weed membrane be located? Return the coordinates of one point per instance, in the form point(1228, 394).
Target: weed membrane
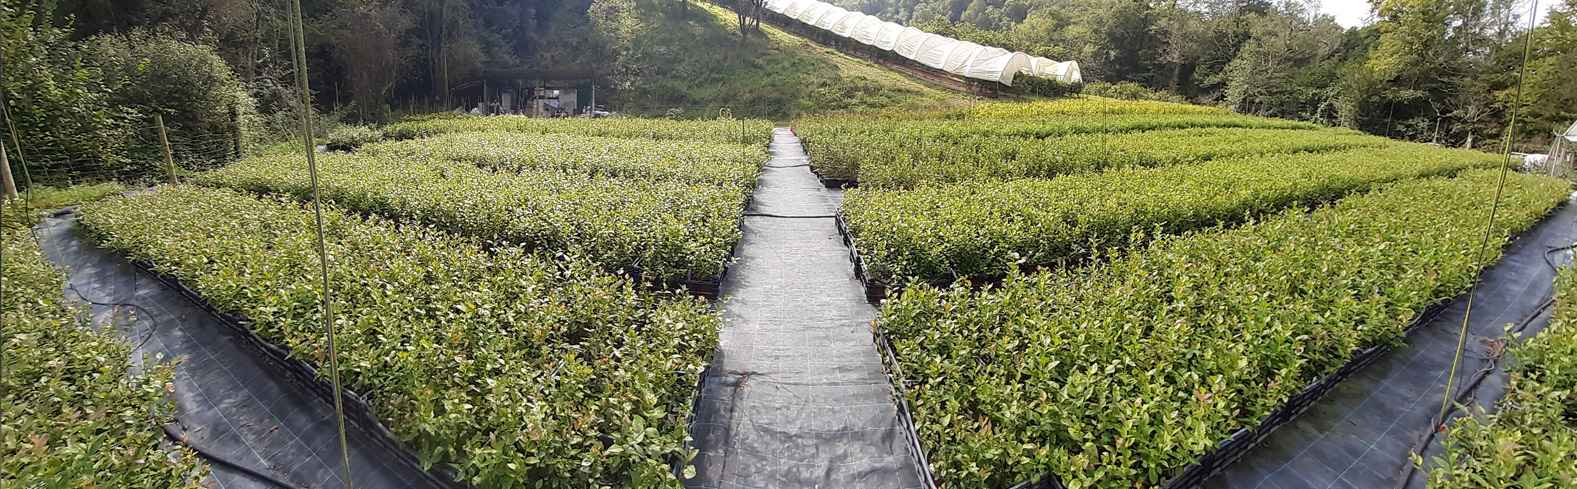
point(797, 396)
point(1361, 432)
point(237, 398)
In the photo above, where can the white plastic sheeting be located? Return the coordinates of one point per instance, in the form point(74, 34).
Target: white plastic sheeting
point(962, 58)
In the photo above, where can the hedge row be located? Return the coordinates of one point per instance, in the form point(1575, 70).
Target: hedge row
point(663, 230)
point(746, 131)
point(1531, 441)
point(1006, 158)
point(984, 230)
point(73, 414)
point(685, 161)
point(518, 369)
point(839, 145)
point(1121, 374)
point(1084, 106)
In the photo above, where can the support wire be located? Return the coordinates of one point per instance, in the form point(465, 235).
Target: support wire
point(299, 53)
point(1456, 359)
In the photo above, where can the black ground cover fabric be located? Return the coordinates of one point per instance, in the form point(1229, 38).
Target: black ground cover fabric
point(231, 400)
point(796, 396)
point(1360, 434)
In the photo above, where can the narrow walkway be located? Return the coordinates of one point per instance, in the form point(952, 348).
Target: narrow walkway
point(796, 397)
point(229, 400)
point(1360, 434)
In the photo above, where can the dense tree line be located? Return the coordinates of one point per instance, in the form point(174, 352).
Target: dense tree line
point(1429, 70)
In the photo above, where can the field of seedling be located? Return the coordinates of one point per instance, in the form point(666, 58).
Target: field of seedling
point(1086, 292)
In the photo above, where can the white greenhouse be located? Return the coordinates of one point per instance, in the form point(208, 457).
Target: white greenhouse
point(961, 58)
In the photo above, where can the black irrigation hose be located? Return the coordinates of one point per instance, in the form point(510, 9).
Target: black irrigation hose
point(153, 325)
point(173, 435)
point(787, 166)
point(1463, 396)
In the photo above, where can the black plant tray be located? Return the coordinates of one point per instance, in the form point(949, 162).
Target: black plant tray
point(905, 413)
point(357, 411)
point(875, 291)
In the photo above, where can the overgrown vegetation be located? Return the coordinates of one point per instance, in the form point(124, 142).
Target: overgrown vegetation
point(1531, 440)
point(512, 368)
point(1121, 374)
point(75, 416)
point(84, 110)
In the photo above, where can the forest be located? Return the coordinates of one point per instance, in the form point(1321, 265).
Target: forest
point(1441, 71)
point(1437, 71)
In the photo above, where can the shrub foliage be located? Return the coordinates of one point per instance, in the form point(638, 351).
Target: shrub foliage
point(1531, 441)
point(676, 160)
point(516, 369)
point(1121, 374)
point(74, 414)
point(747, 131)
point(984, 230)
point(663, 230)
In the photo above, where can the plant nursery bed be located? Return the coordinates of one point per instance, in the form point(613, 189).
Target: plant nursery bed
point(357, 411)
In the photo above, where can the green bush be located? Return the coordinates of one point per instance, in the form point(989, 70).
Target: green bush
point(673, 160)
point(1130, 91)
point(748, 131)
point(61, 105)
point(1531, 442)
point(1120, 375)
point(972, 158)
point(984, 230)
point(667, 231)
point(203, 105)
point(516, 369)
point(838, 146)
point(74, 415)
point(350, 137)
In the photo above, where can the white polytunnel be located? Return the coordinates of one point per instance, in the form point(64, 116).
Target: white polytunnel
point(831, 17)
point(908, 42)
point(867, 30)
point(962, 58)
point(887, 38)
point(792, 8)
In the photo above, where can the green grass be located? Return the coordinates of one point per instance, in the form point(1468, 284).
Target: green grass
point(776, 76)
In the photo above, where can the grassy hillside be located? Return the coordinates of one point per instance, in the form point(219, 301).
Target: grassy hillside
point(693, 61)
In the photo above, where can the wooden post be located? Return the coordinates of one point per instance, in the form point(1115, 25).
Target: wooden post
point(5, 174)
point(169, 158)
point(235, 123)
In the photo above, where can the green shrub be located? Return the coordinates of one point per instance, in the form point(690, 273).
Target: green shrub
point(838, 146)
point(203, 105)
point(984, 230)
point(667, 231)
point(674, 160)
point(61, 105)
point(1130, 91)
point(349, 137)
point(1531, 442)
point(74, 415)
point(1086, 106)
point(1122, 374)
point(516, 369)
point(754, 132)
point(1009, 158)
